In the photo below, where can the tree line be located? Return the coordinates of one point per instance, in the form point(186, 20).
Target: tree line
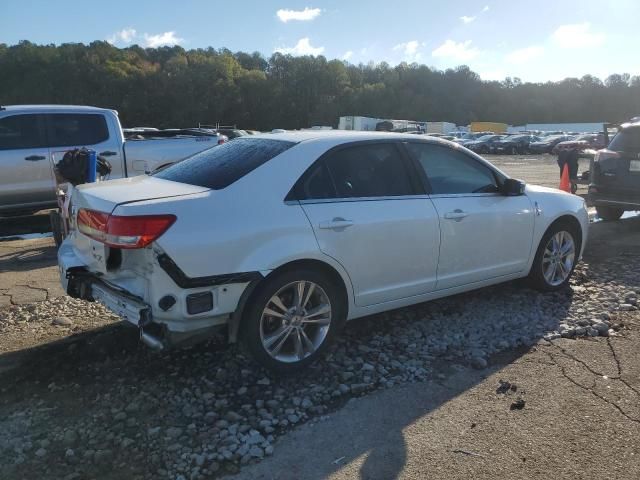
point(174, 87)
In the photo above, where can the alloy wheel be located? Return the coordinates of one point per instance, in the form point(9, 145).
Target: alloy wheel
point(295, 321)
point(558, 258)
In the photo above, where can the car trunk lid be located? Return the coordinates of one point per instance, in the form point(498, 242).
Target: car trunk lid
point(106, 196)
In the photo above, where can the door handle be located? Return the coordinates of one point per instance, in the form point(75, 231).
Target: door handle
point(35, 158)
point(107, 153)
point(457, 215)
point(338, 223)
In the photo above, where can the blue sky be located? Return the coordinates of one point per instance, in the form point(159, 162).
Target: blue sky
point(536, 41)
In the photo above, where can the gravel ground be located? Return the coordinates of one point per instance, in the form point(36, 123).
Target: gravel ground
point(22, 326)
point(126, 412)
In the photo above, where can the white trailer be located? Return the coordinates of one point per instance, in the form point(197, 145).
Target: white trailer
point(565, 127)
point(441, 127)
point(358, 123)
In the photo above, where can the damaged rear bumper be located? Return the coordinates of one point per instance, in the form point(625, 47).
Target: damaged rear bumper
point(84, 285)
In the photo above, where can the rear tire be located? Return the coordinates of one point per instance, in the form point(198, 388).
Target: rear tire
point(609, 214)
point(282, 333)
point(556, 257)
point(56, 227)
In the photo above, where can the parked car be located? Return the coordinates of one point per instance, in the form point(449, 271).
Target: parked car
point(546, 144)
point(232, 133)
point(514, 144)
point(614, 185)
point(351, 224)
point(32, 135)
point(470, 137)
point(483, 144)
point(588, 141)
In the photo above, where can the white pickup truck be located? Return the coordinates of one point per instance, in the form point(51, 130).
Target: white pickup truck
point(31, 136)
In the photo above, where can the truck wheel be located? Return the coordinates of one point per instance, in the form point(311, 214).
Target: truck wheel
point(56, 227)
point(291, 319)
point(609, 214)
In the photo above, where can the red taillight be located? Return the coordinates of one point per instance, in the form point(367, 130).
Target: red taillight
point(221, 141)
point(135, 231)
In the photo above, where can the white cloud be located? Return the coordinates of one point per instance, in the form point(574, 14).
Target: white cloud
point(410, 50)
point(486, 8)
point(126, 35)
point(301, 15)
point(347, 55)
point(166, 38)
point(461, 52)
point(577, 35)
point(466, 19)
point(303, 47)
point(524, 55)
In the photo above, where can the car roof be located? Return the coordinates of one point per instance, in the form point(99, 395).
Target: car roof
point(53, 108)
point(342, 136)
point(632, 123)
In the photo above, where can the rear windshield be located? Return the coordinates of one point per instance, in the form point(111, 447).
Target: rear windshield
point(627, 140)
point(220, 166)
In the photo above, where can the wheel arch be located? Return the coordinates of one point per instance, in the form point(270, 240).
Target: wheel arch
point(339, 277)
point(567, 218)
point(570, 220)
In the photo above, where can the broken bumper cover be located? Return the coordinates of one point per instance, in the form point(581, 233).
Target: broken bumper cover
point(129, 308)
point(79, 283)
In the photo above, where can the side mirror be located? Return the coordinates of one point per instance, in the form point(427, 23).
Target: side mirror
point(512, 187)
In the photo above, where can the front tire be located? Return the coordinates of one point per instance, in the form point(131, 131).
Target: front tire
point(609, 214)
point(292, 319)
point(556, 257)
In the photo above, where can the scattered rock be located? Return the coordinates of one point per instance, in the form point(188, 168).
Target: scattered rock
point(62, 322)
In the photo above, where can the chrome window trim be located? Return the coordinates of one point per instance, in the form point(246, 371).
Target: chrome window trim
point(387, 198)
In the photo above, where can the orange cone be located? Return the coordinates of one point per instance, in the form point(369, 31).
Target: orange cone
point(564, 179)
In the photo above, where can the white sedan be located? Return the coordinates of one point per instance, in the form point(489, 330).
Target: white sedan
point(283, 237)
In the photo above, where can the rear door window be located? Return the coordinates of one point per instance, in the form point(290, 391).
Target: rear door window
point(22, 131)
point(77, 129)
point(627, 140)
point(220, 166)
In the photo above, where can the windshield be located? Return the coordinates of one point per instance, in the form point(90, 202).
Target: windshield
point(585, 137)
point(484, 138)
point(627, 140)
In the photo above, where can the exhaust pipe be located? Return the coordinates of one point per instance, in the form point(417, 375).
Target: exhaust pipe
point(151, 341)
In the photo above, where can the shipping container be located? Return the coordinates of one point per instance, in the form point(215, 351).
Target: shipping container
point(440, 127)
